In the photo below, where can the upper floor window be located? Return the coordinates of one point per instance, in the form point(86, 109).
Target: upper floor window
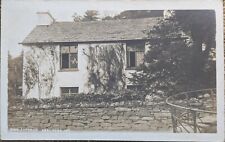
point(69, 57)
point(135, 53)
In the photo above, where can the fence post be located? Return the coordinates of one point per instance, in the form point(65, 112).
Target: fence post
point(194, 121)
point(174, 121)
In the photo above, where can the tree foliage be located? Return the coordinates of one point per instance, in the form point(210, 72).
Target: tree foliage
point(15, 71)
point(166, 63)
point(201, 26)
point(91, 15)
point(76, 17)
point(172, 63)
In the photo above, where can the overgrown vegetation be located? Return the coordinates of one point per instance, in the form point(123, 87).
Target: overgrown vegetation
point(47, 58)
point(125, 95)
point(106, 68)
point(119, 98)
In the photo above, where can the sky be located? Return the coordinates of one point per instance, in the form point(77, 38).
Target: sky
point(19, 16)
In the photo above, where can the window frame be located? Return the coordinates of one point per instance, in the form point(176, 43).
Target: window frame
point(135, 49)
point(68, 94)
point(69, 60)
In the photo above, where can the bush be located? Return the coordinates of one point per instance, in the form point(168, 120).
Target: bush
point(92, 98)
point(126, 95)
point(32, 101)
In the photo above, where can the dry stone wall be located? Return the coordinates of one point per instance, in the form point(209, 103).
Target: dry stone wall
point(129, 118)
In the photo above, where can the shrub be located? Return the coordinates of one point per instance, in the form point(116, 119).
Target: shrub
point(32, 102)
point(91, 98)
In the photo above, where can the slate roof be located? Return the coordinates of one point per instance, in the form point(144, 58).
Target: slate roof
point(92, 31)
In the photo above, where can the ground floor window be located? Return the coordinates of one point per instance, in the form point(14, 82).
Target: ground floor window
point(67, 91)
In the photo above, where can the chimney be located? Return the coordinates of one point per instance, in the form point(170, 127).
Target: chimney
point(45, 18)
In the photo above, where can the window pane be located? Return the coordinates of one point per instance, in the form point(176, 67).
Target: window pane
point(65, 60)
point(139, 58)
point(132, 59)
point(73, 60)
point(65, 90)
point(136, 46)
point(65, 49)
point(73, 49)
point(74, 90)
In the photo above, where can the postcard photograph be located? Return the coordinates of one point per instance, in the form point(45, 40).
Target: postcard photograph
point(80, 68)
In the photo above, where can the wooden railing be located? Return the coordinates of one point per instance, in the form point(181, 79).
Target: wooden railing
point(193, 111)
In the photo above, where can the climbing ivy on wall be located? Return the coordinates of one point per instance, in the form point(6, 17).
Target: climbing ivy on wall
point(40, 69)
point(106, 67)
point(30, 73)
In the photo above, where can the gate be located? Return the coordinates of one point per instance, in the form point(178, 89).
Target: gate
point(193, 111)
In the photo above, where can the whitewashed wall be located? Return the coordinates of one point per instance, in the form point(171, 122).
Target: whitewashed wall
point(61, 78)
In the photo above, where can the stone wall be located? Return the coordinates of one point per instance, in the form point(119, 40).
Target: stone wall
point(143, 117)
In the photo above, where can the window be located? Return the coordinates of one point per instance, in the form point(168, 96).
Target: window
point(135, 53)
point(67, 91)
point(69, 58)
point(132, 59)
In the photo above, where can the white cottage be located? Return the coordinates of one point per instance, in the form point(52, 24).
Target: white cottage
point(55, 58)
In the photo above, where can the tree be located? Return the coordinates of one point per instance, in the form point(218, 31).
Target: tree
point(166, 63)
point(91, 15)
point(173, 63)
point(201, 26)
point(15, 72)
point(135, 14)
point(76, 17)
